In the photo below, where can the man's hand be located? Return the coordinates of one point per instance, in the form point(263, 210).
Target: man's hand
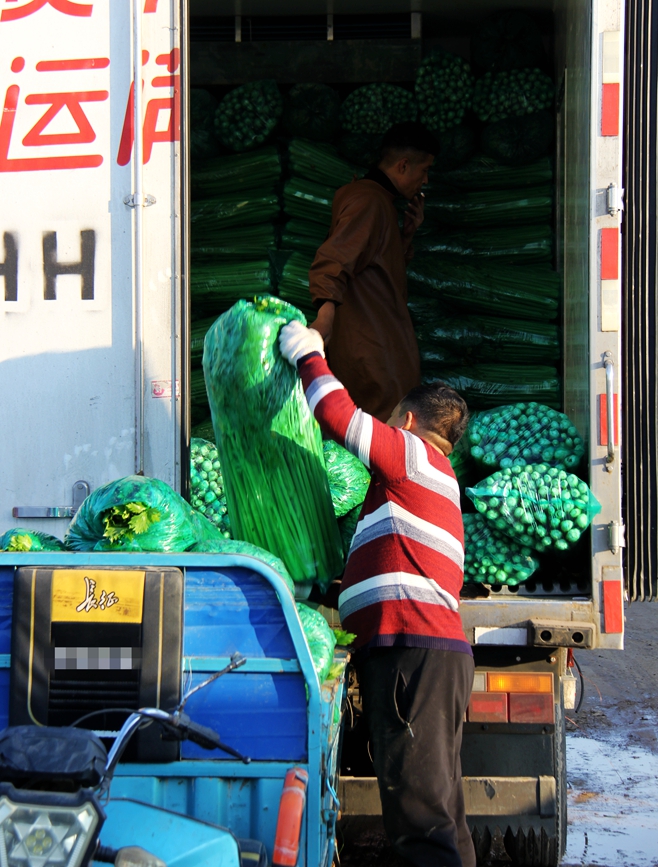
point(324, 322)
point(296, 341)
point(413, 216)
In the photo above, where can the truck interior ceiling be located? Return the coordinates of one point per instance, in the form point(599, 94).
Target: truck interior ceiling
point(284, 107)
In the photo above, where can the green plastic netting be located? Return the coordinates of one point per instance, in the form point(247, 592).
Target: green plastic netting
point(207, 485)
point(374, 108)
point(490, 557)
point(248, 115)
point(363, 149)
point(269, 443)
point(19, 539)
point(347, 526)
point(499, 95)
point(320, 637)
point(312, 111)
point(519, 140)
point(348, 478)
point(444, 90)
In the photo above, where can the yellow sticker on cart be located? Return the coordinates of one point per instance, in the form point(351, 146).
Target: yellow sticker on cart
point(97, 596)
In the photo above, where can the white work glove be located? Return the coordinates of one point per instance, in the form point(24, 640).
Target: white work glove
point(296, 341)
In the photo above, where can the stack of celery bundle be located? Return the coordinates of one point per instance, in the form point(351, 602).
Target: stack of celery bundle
point(373, 108)
point(293, 285)
point(482, 294)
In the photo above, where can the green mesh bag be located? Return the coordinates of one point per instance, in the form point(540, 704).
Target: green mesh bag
point(525, 433)
point(18, 539)
point(320, 637)
point(348, 478)
point(312, 111)
point(444, 90)
point(248, 115)
point(516, 141)
point(347, 526)
point(499, 95)
point(137, 514)
point(373, 108)
point(269, 444)
point(538, 506)
point(207, 484)
point(490, 557)
point(363, 149)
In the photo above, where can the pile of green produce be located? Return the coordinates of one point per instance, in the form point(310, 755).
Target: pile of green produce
point(242, 242)
point(499, 95)
point(490, 557)
point(207, 485)
point(320, 637)
point(462, 463)
point(347, 526)
point(210, 217)
point(203, 141)
point(312, 111)
point(212, 179)
point(537, 505)
point(248, 115)
point(348, 478)
point(303, 235)
point(137, 514)
point(217, 286)
point(522, 434)
point(487, 385)
point(293, 286)
point(484, 173)
point(18, 539)
point(444, 90)
point(269, 442)
point(491, 207)
point(519, 245)
point(373, 108)
point(306, 200)
point(319, 163)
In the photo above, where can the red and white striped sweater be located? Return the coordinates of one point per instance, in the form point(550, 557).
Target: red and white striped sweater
point(406, 565)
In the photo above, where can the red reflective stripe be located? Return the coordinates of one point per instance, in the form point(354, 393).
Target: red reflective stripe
point(613, 612)
point(609, 254)
point(603, 419)
point(610, 110)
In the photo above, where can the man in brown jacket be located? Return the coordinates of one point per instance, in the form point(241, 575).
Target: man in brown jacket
point(358, 279)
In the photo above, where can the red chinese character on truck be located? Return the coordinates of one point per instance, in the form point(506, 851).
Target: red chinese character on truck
point(68, 7)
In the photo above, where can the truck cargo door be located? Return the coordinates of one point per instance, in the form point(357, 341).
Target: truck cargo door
point(89, 230)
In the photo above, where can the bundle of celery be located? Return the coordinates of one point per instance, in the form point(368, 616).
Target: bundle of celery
point(312, 111)
point(319, 163)
point(207, 485)
point(499, 290)
point(490, 557)
point(373, 108)
point(204, 144)
point(243, 242)
point(211, 217)
point(304, 236)
point(499, 95)
point(212, 286)
point(488, 338)
point(516, 245)
point(307, 200)
point(484, 173)
point(197, 336)
point(212, 179)
point(444, 90)
point(204, 429)
point(19, 539)
point(489, 385)
point(248, 115)
point(269, 443)
point(293, 285)
point(491, 207)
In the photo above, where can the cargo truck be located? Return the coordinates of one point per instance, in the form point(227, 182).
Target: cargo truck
point(95, 312)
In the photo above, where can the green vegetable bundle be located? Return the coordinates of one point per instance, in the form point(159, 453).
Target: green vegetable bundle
point(489, 385)
point(304, 236)
point(484, 173)
point(537, 505)
point(236, 546)
point(197, 336)
point(207, 485)
point(487, 338)
point(307, 200)
point(348, 478)
point(347, 526)
point(373, 108)
point(518, 245)
point(204, 429)
point(320, 637)
point(198, 394)
point(312, 111)
point(499, 290)
point(137, 514)
point(499, 95)
point(269, 444)
point(248, 115)
point(363, 149)
point(203, 144)
point(456, 145)
point(18, 539)
point(203, 141)
point(218, 286)
point(491, 207)
point(508, 40)
point(212, 179)
point(319, 163)
point(522, 434)
point(519, 140)
point(243, 242)
point(490, 557)
point(444, 90)
point(209, 218)
point(293, 285)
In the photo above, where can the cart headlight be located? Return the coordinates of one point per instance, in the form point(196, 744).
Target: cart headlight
point(40, 829)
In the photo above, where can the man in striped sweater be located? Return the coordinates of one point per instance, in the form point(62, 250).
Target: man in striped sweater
point(400, 595)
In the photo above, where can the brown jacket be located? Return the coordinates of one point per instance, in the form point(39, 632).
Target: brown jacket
point(361, 266)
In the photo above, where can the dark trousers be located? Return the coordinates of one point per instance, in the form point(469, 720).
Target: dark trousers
point(414, 701)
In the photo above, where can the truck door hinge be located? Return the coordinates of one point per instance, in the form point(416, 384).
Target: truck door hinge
point(614, 200)
point(134, 201)
point(80, 492)
point(616, 536)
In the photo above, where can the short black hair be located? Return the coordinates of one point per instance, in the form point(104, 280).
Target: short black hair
point(438, 408)
point(409, 136)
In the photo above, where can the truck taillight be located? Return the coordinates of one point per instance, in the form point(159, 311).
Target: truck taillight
point(488, 707)
point(531, 708)
point(527, 682)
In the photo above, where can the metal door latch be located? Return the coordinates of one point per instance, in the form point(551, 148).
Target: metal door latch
point(614, 200)
point(80, 492)
point(133, 201)
point(616, 536)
